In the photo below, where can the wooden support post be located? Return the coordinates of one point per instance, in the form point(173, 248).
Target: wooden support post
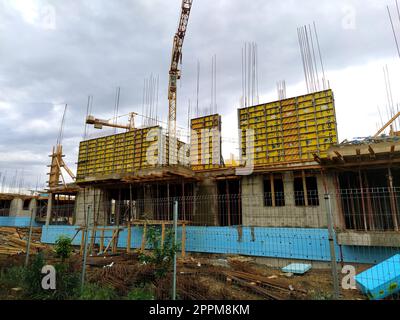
point(393, 206)
point(162, 234)
point(183, 254)
point(362, 201)
point(130, 205)
point(118, 209)
point(369, 204)
point(351, 200)
point(111, 241)
point(303, 175)
point(143, 247)
point(168, 203)
point(102, 241)
point(128, 239)
point(115, 243)
point(183, 201)
point(338, 197)
point(271, 179)
point(228, 201)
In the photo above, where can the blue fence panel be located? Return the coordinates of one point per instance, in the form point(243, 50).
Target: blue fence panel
point(289, 243)
point(17, 222)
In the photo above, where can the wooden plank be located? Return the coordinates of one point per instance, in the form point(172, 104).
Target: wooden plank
point(111, 241)
point(303, 175)
point(271, 179)
point(143, 246)
point(128, 240)
point(115, 242)
point(162, 234)
point(102, 241)
point(183, 254)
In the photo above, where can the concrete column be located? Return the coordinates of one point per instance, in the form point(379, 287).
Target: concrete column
point(99, 201)
point(33, 206)
point(288, 186)
point(16, 207)
point(49, 208)
point(330, 186)
point(206, 211)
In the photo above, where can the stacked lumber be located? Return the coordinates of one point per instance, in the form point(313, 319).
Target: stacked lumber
point(14, 241)
point(24, 233)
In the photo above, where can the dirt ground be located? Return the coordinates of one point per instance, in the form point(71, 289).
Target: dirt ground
point(315, 284)
point(236, 278)
point(203, 277)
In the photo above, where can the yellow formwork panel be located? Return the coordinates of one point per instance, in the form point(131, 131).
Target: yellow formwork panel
point(203, 151)
point(114, 154)
point(295, 129)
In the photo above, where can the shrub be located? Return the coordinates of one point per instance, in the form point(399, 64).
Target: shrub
point(160, 256)
point(33, 278)
point(63, 247)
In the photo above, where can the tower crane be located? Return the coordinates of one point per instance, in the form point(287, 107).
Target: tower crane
point(174, 76)
point(99, 123)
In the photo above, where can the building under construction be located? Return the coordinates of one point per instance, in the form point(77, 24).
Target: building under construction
point(293, 183)
point(291, 173)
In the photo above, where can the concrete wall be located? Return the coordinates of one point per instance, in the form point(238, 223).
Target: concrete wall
point(98, 201)
point(371, 238)
point(290, 215)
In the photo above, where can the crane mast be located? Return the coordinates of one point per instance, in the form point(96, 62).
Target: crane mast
point(174, 76)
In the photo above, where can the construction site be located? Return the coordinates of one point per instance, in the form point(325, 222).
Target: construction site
point(278, 222)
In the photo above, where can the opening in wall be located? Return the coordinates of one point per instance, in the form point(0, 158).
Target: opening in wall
point(229, 203)
point(306, 191)
point(5, 208)
point(26, 204)
point(274, 193)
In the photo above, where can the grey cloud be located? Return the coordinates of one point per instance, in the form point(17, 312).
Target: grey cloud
point(98, 45)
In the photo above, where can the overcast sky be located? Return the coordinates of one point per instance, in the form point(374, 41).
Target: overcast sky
point(58, 52)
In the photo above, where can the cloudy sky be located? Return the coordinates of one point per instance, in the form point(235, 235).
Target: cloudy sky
point(58, 52)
